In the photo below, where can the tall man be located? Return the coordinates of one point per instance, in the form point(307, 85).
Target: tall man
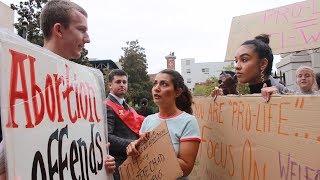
point(64, 26)
point(123, 121)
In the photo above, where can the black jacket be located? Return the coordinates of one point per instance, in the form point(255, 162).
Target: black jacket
point(119, 136)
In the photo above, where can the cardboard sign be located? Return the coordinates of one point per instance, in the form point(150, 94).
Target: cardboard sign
point(6, 17)
point(244, 138)
point(294, 27)
point(52, 114)
point(157, 159)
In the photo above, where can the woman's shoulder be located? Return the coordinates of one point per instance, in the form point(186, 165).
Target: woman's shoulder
point(148, 123)
point(151, 116)
point(187, 117)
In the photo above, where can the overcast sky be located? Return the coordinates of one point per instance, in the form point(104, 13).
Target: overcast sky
point(191, 28)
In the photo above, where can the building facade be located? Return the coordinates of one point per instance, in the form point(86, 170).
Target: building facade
point(102, 64)
point(171, 61)
point(6, 17)
point(193, 72)
point(292, 61)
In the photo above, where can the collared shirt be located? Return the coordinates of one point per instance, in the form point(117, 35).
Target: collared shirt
point(120, 100)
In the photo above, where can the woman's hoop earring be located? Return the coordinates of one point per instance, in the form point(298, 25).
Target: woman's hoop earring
point(262, 77)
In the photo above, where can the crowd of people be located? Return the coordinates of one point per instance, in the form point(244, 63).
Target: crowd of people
point(64, 26)
point(253, 66)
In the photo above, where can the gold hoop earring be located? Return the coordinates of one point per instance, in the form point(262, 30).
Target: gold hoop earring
point(262, 77)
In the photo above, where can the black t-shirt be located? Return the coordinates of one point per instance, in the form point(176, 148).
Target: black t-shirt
point(256, 88)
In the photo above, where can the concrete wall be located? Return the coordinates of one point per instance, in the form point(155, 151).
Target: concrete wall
point(6, 17)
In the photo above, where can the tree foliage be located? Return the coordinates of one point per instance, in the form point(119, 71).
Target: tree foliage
point(134, 63)
point(28, 24)
point(205, 89)
point(243, 88)
point(105, 72)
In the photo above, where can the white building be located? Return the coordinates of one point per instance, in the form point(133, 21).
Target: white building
point(6, 17)
point(193, 72)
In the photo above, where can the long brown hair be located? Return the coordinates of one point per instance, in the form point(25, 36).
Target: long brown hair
point(184, 101)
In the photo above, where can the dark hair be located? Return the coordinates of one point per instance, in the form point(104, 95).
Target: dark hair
point(184, 101)
point(57, 11)
point(116, 72)
point(232, 74)
point(144, 101)
point(318, 79)
point(262, 48)
point(228, 72)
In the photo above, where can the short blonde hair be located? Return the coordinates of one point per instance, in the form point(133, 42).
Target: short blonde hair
point(310, 69)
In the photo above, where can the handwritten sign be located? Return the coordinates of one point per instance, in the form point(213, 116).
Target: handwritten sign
point(244, 138)
point(157, 159)
point(6, 17)
point(294, 27)
point(52, 114)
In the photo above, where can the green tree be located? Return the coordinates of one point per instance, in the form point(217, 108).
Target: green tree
point(243, 88)
point(134, 63)
point(205, 89)
point(105, 72)
point(28, 24)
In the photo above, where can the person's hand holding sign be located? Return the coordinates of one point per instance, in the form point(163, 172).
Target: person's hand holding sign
point(132, 147)
point(109, 162)
point(216, 92)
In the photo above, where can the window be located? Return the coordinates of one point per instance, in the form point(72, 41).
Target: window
point(188, 80)
point(188, 71)
point(205, 70)
point(187, 62)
